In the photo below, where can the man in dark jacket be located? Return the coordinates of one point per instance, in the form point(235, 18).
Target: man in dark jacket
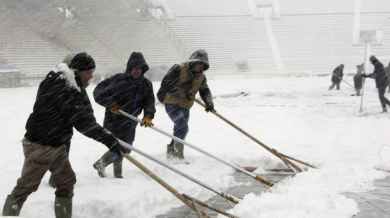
point(178, 89)
point(381, 81)
point(132, 92)
point(61, 104)
point(358, 79)
point(337, 76)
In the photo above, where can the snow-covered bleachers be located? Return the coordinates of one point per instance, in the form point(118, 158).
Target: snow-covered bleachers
point(224, 28)
point(324, 37)
point(36, 38)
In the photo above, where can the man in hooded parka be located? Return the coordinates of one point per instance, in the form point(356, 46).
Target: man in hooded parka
point(177, 92)
point(131, 92)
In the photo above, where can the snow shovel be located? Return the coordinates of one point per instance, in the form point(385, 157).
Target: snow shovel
point(191, 205)
point(222, 194)
point(258, 178)
point(273, 151)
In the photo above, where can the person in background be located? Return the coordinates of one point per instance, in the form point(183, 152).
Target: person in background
point(177, 92)
point(381, 81)
point(358, 79)
point(61, 104)
point(337, 76)
point(387, 71)
point(131, 92)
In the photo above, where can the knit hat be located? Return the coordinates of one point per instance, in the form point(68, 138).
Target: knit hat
point(82, 62)
point(199, 56)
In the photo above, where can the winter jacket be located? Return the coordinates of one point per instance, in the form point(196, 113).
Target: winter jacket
point(132, 95)
point(180, 85)
point(60, 105)
point(337, 75)
point(379, 74)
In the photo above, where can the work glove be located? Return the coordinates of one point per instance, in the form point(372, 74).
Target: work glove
point(147, 122)
point(210, 108)
point(117, 148)
point(114, 108)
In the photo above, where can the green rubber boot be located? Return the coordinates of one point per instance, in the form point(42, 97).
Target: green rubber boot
point(179, 150)
point(118, 170)
point(11, 208)
point(179, 153)
point(170, 152)
point(102, 163)
point(63, 207)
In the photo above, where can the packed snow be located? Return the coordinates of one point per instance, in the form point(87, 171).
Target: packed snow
point(298, 116)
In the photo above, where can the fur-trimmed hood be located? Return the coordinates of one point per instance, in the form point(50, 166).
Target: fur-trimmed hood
point(68, 75)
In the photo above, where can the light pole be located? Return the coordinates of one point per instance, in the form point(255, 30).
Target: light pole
point(368, 37)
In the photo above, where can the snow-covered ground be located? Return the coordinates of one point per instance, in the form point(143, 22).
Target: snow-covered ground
point(298, 116)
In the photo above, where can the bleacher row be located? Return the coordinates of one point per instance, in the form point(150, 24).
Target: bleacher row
point(311, 35)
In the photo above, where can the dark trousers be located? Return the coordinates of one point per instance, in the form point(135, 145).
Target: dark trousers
point(38, 160)
point(382, 98)
point(335, 84)
point(180, 117)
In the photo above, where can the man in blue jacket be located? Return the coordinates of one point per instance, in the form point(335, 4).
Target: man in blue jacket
point(131, 92)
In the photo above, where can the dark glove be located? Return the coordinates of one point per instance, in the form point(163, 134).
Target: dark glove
point(117, 148)
point(147, 122)
point(210, 108)
point(114, 108)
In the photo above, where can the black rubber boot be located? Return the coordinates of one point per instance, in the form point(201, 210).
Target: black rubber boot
point(102, 163)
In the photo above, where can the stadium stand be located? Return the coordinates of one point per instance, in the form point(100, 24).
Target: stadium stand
point(254, 37)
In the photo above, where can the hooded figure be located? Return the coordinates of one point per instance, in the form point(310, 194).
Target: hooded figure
point(131, 92)
point(337, 76)
point(358, 78)
point(387, 71)
point(178, 89)
point(381, 81)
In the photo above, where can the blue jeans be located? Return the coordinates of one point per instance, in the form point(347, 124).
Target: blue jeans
point(180, 117)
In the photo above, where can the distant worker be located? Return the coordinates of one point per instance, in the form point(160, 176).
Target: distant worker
point(337, 76)
point(381, 81)
point(358, 79)
point(387, 70)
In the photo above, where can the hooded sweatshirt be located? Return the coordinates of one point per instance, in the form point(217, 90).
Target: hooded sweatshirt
point(180, 85)
point(133, 95)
